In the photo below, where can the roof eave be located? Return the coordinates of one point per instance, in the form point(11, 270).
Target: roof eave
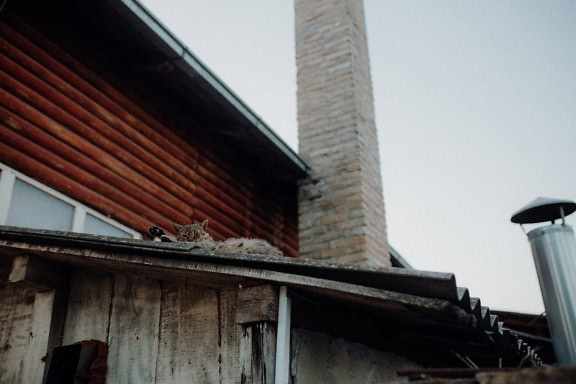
point(427, 295)
point(168, 43)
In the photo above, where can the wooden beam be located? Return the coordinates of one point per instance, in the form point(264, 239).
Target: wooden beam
point(219, 268)
point(59, 302)
point(39, 335)
point(259, 303)
point(38, 273)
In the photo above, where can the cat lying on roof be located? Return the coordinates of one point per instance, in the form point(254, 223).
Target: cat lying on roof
point(197, 233)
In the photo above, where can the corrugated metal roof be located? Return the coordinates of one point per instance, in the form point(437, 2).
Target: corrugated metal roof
point(420, 297)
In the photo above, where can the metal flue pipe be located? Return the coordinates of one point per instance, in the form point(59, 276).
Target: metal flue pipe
point(554, 251)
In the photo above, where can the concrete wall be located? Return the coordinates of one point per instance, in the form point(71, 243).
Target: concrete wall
point(341, 207)
point(320, 358)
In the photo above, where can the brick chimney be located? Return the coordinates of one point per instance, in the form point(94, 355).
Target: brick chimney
point(341, 206)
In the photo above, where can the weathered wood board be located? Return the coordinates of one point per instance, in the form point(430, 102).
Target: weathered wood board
point(231, 331)
point(28, 322)
point(16, 316)
point(134, 330)
point(158, 331)
point(33, 366)
point(190, 337)
point(258, 303)
point(37, 273)
point(257, 353)
point(88, 314)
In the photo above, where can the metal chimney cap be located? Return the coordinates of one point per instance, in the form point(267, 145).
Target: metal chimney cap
point(543, 209)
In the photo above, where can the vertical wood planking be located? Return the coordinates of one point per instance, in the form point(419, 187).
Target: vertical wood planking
point(169, 367)
point(31, 317)
point(230, 334)
point(57, 322)
point(16, 316)
point(257, 353)
point(245, 354)
point(33, 366)
point(88, 314)
point(189, 335)
point(30, 325)
point(134, 330)
point(174, 360)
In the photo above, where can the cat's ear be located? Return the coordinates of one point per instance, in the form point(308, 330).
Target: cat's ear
point(177, 227)
point(204, 224)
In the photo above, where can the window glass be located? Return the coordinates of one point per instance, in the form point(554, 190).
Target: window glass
point(96, 226)
point(33, 208)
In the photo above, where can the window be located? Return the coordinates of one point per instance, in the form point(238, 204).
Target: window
point(25, 202)
point(34, 208)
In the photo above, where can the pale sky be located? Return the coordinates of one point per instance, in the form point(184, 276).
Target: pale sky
point(476, 113)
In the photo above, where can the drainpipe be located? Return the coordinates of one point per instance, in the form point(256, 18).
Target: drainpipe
point(282, 371)
point(554, 251)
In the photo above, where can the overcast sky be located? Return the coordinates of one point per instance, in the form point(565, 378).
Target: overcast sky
point(475, 108)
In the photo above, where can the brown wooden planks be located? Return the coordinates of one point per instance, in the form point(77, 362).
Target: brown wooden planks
point(124, 145)
point(93, 143)
point(75, 189)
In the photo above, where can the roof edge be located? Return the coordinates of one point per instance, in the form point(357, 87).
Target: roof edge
point(180, 50)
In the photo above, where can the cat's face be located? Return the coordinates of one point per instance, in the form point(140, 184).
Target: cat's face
point(192, 232)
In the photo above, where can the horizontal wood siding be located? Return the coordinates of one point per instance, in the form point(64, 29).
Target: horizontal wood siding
point(69, 124)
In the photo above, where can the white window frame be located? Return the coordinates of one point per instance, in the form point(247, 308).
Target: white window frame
point(8, 177)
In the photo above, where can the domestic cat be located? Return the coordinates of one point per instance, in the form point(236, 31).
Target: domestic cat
point(197, 233)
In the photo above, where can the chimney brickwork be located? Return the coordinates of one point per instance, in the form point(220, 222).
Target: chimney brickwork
point(341, 206)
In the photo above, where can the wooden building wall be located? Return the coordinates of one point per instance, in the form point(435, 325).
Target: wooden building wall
point(157, 331)
point(68, 123)
point(167, 325)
